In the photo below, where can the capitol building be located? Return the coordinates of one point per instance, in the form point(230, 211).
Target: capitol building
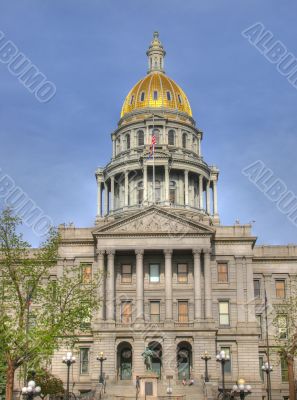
point(176, 281)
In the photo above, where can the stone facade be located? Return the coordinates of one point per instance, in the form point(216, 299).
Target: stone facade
point(175, 279)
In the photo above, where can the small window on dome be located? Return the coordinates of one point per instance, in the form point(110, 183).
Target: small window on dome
point(168, 95)
point(179, 99)
point(142, 96)
point(132, 99)
point(155, 95)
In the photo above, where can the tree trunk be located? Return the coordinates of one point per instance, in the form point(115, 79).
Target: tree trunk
point(292, 391)
point(9, 380)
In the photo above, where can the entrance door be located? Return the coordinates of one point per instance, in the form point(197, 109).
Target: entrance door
point(184, 360)
point(126, 364)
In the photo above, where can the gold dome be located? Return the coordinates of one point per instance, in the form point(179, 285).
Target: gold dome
point(156, 90)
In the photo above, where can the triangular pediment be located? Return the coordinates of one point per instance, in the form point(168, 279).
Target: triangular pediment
point(154, 221)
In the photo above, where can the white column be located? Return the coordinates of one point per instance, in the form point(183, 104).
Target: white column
point(201, 205)
point(199, 146)
point(126, 188)
point(112, 193)
point(113, 147)
point(139, 284)
point(145, 184)
point(101, 287)
point(215, 197)
point(186, 187)
point(166, 168)
point(207, 284)
point(197, 283)
point(106, 205)
point(168, 284)
point(208, 197)
point(110, 286)
point(99, 198)
point(250, 290)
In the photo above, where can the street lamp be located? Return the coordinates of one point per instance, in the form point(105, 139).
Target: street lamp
point(242, 389)
point(205, 356)
point(69, 359)
point(101, 358)
point(31, 390)
point(268, 369)
point(222, 358)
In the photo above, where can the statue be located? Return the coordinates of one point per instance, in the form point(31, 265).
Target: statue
point(147, 357)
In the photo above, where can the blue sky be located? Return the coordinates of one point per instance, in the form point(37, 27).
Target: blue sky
point(94, 52)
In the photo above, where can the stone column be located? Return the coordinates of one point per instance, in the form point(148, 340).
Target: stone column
point(207, 284)
point(201, 205)
point(186, 187)
point(101, 287)
point(197, 283)
point(145, 184)
point(99, 199)
point(168, 284)
point(106, 199)
point(113, 146)
point(139, 284)
point(199, 146)
point(250, 290)
point(126, 188)
point(166, 168)
point(215, 197)
point(110, 286)
point(112, 193)
point(208, 197)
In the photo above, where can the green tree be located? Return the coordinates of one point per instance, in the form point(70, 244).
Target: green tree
point(40, 309)
point(50, 384)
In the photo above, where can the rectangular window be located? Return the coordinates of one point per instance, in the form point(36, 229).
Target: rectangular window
point(257, 288)
point(154, 273)
point(282, 324)
point(86, 271)
point(155, 311)
point(182, 273)
point(84, 357)
point(224, 313)
point(222, 272)
point(183, 312)
point(228, 363)
point(126, 312)
point(280, 289)
point(259, 320)
point(261, 363)
point(168, 96)
point(284, 370)
point(126, 273)
point(155, 95)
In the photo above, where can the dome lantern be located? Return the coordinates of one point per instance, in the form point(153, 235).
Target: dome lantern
point(156, 54)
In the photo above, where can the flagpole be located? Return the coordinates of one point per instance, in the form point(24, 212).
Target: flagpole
point(267, 348)
point(154, 183)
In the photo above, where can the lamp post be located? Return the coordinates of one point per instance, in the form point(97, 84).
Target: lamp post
point(101, 358)
point(242, 389)
point(69, 359)
point(268, 369)
point(222, 358)
point(31, 390)
point(205, 356)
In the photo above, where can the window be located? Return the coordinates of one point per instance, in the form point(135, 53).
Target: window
point(142, 96)
point(259, 320)
point(128, 142)
point(284, 370)
point(157, 191)
point(86, 271)
point(183, 312)
point(156, 133)
point(282, 324)
point(168, 94)
point(257, 288)
point(132, 99)
point(224, 313)
point(179, 99)
point(261, 363)
point(222, 272)
point(155, 311)
point(155, 95)
point(172, 190)
point(228, 363)
point(154, 273)
point(84, 356)
point(185, 137)
point(126, 273)
point(182, 273)
point(280, 288)
point(140, 192)
point(140, 138)
point(171, 137)
point(126, 312)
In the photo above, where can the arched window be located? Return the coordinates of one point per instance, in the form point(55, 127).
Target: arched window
point(155, 95)
point(172, 192)
point(168, 94)
point(128, 141)
point(179, 99)
point(140, 138)
point(142, 96)
point(156, 133)
point(118, 146)
point(132, 99)
point(185, 137)
point(140, 193)
point(124, 356)
point(157, 191)
point(184, 360)
point(171, 137)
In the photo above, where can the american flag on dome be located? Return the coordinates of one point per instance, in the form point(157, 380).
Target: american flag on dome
point(152, 147)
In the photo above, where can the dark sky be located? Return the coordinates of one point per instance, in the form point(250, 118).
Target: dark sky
point(94, 52)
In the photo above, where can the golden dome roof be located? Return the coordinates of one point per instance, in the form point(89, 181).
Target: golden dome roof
point(156, 90)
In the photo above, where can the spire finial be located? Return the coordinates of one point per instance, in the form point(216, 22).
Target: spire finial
point(156, 54)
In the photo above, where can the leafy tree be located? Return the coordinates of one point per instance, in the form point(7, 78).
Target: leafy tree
point(50, 384)
point(40, 309)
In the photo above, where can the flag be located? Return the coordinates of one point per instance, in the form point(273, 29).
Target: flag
point(152, 147)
